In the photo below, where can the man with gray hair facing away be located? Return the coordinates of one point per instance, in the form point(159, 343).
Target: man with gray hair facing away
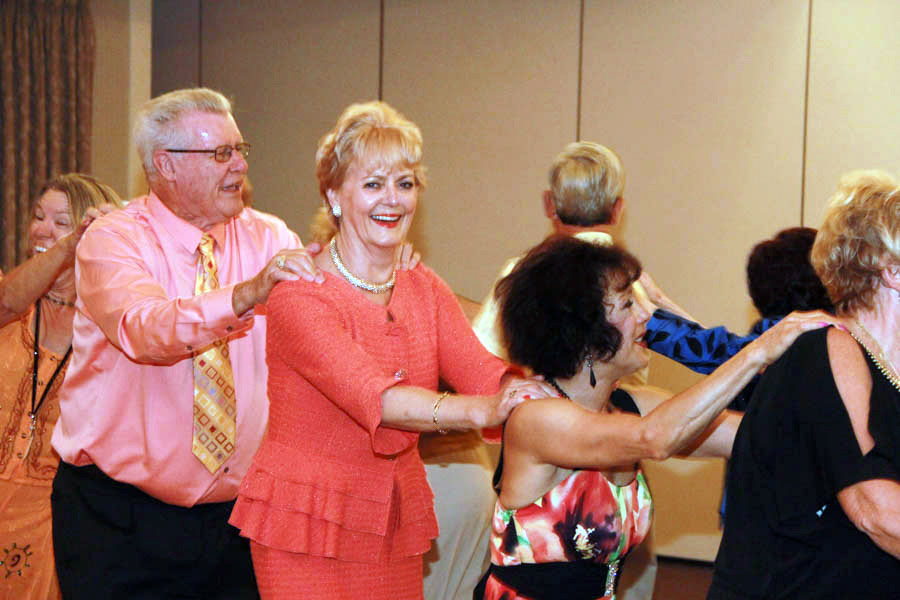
point(164, 404)
point(585, 200)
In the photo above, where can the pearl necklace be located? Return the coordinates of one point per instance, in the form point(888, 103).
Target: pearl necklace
point(884, 365)
point(375, 288)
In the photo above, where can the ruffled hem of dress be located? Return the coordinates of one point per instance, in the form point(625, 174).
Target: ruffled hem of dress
point(365, 509)
point(301, 533)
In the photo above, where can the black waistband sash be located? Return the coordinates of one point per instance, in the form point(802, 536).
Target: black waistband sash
point(580, 580)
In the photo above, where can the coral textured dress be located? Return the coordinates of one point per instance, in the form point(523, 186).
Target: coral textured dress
point(569, 543)
point(336, 505)
point(27, 464)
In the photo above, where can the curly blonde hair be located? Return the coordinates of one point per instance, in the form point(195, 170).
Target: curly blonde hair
point(859, 238)
point(372, 133)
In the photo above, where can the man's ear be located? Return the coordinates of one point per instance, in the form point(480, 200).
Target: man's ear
point(162, 160)
point(618, 208)
point(549, 206)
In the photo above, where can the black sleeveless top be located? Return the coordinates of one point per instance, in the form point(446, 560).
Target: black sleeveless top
point(785, 533)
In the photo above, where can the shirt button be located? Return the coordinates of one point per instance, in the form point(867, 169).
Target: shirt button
point(190, 348)
point(24, 435)
point(18, 455)
point(400, 374)
point(225, 469)
point(229, 328)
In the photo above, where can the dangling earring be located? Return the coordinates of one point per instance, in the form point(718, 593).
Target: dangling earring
point(336, 211)
point(590, 362)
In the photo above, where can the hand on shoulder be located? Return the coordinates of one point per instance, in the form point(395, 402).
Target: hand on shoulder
point(772, 344)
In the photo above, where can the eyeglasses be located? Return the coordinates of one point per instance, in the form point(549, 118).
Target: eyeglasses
point(220, 153)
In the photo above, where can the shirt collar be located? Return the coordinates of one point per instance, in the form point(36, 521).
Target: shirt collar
point(595, 237)
point(187, 235)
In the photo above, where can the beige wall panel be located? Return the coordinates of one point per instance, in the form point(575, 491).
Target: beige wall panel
point(121, 86)
point(176, 45)
point(854, 81)
point(291, 68)
point(686, 495)
point(704, 103)
point(493, 85)
point(109, 147)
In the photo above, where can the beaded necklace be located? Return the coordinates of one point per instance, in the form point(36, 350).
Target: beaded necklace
point(555, 385)
point(35, 407)
point(375, 288)
point(59, 301)
point(883, 364)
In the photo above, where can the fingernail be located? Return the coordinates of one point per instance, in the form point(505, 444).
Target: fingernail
point(527, 396)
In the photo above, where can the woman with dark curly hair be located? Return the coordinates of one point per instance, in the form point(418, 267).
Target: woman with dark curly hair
point(572, 500)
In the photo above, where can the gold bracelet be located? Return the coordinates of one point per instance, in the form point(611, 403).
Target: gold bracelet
point(437, 405)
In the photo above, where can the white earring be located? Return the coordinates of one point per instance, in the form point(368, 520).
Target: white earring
point(336, 210)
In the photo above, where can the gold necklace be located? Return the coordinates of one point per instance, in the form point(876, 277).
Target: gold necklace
point(881, 361)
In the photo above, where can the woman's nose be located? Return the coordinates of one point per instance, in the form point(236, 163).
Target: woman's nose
point(41, 228)
point(391, 194)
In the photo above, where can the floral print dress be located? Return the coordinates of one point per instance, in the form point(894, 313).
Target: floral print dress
point(585, 521)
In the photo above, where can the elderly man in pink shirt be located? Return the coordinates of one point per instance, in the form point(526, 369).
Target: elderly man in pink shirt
point(143, 494)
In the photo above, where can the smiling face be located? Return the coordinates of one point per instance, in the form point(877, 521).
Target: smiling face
point(206, 192)
point(630, 318)
point(50, 221)
point(377, 205)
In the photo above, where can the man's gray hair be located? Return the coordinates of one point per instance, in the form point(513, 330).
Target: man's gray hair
point(156, 123)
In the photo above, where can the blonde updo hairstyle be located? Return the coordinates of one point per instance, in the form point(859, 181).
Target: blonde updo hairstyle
point(859, 238)
point(373, 134)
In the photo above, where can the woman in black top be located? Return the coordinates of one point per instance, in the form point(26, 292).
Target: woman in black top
point(814, 498)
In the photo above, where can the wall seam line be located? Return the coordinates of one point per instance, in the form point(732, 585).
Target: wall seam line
point(200, 43)
point(805, 115)
point(580, 65)
point(381, 52)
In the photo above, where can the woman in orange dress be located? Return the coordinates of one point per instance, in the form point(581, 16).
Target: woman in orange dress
point(336, 503)
point(37, 304)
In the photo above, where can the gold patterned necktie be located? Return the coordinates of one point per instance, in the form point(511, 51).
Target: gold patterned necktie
point(214, 402)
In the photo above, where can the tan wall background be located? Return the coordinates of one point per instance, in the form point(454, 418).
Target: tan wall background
point(734, 119)
point(121, 86)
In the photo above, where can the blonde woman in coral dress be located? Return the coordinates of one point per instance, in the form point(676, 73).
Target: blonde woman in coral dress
point(336, 503)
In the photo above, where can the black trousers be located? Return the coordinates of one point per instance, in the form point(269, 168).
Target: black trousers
point(112, 540)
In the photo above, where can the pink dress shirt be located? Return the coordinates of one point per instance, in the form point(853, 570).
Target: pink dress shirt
point(126, 404)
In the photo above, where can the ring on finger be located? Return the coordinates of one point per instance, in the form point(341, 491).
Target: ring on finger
point(280, 262)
